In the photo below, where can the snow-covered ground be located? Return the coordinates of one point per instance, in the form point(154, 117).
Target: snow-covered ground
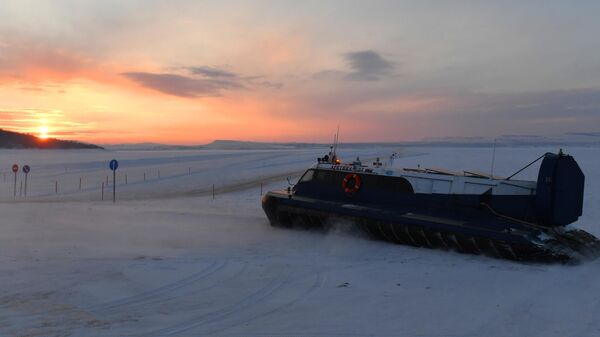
point(169, 260)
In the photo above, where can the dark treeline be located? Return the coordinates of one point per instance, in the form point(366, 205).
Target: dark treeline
point(15, 140)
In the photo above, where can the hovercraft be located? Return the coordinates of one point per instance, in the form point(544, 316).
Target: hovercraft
point(470, 212)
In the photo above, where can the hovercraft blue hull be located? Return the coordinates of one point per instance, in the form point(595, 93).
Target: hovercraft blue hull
point(508, 226)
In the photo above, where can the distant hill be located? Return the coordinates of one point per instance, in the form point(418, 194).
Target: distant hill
point(15, 140)
point(215, 145)
point(245, 145)
point(150, 147)
point(566, 139)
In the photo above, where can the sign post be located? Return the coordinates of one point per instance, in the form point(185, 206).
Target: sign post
point(26, 170)
point(114, 165)
point(15, 169)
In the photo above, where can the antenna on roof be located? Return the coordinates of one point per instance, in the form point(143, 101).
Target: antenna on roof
point(493, 159)
point(336, 138)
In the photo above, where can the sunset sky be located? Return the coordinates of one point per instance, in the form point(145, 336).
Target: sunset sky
point(189, 72)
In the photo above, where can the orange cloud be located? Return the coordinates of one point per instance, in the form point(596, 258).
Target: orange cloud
point(33, 64)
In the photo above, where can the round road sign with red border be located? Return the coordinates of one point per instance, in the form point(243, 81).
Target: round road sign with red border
point(15, 168)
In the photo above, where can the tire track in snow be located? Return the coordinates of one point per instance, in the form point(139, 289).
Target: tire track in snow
point(246, 302)
point(154, 293)
point(152, 195)
point(318, 283)
point(192, 291)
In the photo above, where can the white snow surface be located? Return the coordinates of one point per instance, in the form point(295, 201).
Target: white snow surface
point(169, 260)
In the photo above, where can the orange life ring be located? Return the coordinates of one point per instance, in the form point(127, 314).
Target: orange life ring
point(351, 188)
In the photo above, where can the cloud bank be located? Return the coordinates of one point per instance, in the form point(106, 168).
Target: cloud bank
point(182, 86)
point(202, 81)
point(367, 65)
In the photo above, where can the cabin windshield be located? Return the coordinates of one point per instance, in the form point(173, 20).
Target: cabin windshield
point(307, 176)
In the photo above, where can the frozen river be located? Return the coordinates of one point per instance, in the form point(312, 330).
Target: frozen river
point(169, 260)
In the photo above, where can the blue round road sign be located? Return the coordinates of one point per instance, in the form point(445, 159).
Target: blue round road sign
point(26, 169)
point(114, 165)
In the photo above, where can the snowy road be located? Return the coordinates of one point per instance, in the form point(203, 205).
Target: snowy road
point(194, 266)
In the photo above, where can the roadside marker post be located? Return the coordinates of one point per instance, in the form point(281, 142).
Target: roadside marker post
point(114, 165)
point(26, 170)
point(15, 169)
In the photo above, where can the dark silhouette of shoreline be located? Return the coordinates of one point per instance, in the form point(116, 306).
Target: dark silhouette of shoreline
point(16, 140)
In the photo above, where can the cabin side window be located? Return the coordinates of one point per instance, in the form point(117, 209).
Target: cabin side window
point(390, 184)
point(326, 177)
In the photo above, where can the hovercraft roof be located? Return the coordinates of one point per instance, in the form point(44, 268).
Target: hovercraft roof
point(378, 168)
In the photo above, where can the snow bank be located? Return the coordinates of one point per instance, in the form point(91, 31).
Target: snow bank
point(191, 265)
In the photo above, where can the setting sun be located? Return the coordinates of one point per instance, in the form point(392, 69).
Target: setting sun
point(43, 132)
